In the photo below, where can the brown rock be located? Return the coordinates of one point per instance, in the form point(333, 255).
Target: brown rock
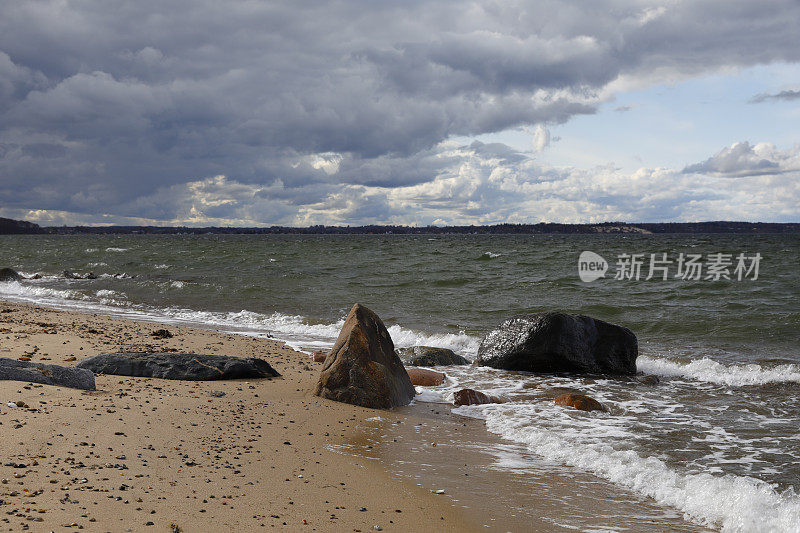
point(424, 377)
point(319, 357)
point(473, 397)
point(362, 367)
point(581, 402)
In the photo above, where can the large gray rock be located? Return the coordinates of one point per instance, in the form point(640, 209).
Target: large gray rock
point(186, 366)
point(362, 367)
point(558, 342)
point(9, 274)
point(61, 376)
point(430, 356)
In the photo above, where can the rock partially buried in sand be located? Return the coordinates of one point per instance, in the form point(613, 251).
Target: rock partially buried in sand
point(61, 376)
point(424, 377)
point(9, 274)
point(186, 366)
point(580, 402)
point(319, 357)
point(162, 334)
point(473, 397)
point(362, 367)
point(430, 356)
point(558, 342)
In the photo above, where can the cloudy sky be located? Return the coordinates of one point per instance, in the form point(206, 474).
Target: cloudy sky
point(254, 113)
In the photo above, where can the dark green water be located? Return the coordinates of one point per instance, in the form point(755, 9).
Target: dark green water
point(720, 428)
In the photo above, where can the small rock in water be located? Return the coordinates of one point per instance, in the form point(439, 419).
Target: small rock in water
point(425, 377)
point(9, 274)
point(473, 397)
point(580, 402)
point(648, 379)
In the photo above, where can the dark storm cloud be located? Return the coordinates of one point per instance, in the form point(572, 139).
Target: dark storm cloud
point(105, 103)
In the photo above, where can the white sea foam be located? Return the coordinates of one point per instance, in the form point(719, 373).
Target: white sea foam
point(461, 343)
point(176, 285)
point(491, 255)
point(732, 503)
point(35, 293)
point(112, 249)
point(106, 293)
point(714, 372)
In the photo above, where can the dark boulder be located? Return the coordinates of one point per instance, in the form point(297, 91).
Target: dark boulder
point(60, 376)
point(9, 274)
point(186, 366)
point(362, 368)
point(558, 342)
point(424, 377)
point(580, 402)
point(473, 397)
point(430, 356)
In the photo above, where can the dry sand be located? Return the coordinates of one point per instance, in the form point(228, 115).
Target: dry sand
point(143, 454)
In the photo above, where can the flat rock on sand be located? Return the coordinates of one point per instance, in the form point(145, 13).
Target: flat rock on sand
point(62, 376)
point(186, 366)
point(363, 368)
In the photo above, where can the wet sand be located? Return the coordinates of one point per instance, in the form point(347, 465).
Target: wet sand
point(143, 454)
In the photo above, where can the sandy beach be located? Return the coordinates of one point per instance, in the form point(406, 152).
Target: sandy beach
point(143, 454)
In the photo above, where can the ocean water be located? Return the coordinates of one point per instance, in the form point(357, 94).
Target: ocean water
point(717, 440)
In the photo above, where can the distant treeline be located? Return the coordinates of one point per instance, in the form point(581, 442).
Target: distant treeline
point(14, 226)
point(9, 226)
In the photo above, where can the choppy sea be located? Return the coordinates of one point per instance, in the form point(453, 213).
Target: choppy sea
point(717, 440)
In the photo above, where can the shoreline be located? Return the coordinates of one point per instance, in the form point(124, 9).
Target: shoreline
point(141, 450)
point(395, 460)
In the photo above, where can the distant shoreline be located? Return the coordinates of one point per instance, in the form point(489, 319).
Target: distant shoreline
point(9, 226)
